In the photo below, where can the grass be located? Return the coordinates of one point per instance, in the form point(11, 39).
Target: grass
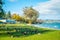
point(50, 35)
point(7, 25)
point(54, 35)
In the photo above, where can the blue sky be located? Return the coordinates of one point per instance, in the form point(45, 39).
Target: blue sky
point(48, 9)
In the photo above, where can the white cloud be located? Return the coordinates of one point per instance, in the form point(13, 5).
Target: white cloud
point(49, 7)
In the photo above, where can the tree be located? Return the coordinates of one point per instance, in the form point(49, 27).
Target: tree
point(2, 14)
point(30, 14)
point(9, 15)
point(16, 17)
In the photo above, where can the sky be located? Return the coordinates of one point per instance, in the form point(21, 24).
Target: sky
point(48, 9)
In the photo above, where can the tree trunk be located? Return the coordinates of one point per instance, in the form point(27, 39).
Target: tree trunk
point(30, 22)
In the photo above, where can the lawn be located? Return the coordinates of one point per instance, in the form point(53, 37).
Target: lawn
point(55, 35)
point(50, 35)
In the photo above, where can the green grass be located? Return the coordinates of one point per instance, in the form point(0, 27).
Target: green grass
point(7, 25)
point(54, 35)
point(50, 35)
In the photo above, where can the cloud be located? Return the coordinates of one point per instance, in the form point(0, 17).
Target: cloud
point(49, 7)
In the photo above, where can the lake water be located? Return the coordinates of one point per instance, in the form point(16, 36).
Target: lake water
point(54, 25)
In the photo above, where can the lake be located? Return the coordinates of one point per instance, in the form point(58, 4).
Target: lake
point(54, 25)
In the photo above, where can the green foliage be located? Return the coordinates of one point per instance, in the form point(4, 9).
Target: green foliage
point(2, 14)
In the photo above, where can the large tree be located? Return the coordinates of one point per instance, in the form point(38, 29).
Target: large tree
point(2, 14)
point(30, 14)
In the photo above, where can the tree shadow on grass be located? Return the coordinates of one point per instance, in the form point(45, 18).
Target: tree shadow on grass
point(18, 32)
